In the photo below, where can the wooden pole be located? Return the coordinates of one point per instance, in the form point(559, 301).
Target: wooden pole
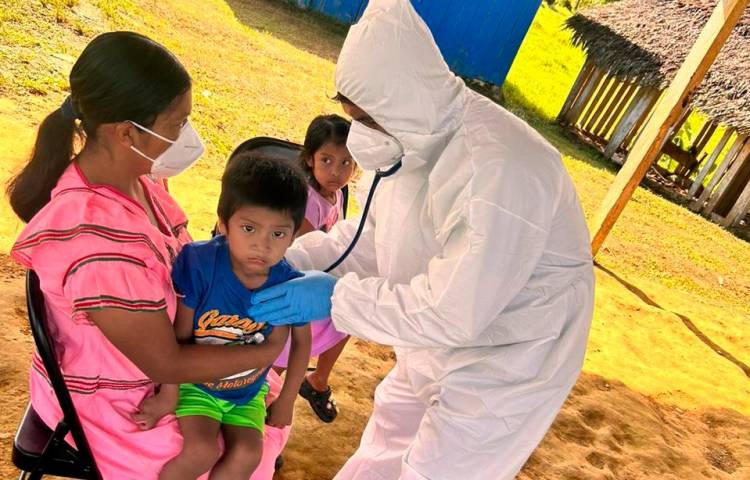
point(606, 100)
point(618, 89)
point(598, 103)
point(673, 133)
point(710, 161)
point(635, 130)
point(576, 109)
point(739, 142)
point(728, 178)
point(632, 114)
point(702, 54)
point(740, 208)
point(706, 133)
point(615, 115)
point(575, 90)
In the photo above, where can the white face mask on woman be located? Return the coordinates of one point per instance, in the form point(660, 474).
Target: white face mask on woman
point(373, 149)
point(180, 154)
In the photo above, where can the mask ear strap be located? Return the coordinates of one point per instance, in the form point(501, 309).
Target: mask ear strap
point(132, 147)
point(171, 142)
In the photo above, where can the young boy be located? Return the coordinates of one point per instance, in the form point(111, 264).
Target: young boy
point(261, 207)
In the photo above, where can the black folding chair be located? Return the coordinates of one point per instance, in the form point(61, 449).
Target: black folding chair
point(38, 450)
point(282, 149)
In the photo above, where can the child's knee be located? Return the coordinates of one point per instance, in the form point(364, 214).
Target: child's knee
point(203, 453)
point(244, 456)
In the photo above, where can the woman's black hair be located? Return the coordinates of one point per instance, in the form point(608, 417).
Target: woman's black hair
point(119, 76)
point(255, 179)
point(323, 129)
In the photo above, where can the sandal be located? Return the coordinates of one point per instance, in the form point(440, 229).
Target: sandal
point(321, 402)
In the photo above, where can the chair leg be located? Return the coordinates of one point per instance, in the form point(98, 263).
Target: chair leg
point(36, 475)
point(29, 476)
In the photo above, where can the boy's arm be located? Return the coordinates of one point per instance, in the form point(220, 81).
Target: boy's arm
point(281, 410)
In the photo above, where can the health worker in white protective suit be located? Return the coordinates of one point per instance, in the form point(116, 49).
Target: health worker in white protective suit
point(474, 264)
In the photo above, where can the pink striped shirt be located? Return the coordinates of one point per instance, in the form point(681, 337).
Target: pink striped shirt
point(95, 248)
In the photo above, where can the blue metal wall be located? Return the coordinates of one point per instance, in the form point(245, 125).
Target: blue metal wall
point(478, 38)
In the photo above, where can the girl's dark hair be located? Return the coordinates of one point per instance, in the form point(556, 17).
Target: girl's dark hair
point(260, 180)
point(323, 129)
point(119, 76)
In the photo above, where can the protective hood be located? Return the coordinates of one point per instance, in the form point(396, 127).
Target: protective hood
point(391, 68)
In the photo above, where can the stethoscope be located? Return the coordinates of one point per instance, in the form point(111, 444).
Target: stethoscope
point(378, 176)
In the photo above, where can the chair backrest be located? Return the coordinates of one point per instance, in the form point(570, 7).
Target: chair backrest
point(289, 151)
point(45, 349)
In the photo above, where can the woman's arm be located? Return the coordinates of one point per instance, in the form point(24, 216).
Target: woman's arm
point(148, 340)
point(183, 323)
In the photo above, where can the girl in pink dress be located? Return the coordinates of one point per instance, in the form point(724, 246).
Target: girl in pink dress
point(102, 235)
point(329, 166)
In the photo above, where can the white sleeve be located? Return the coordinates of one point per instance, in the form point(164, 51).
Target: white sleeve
point(486, 260)
point(318, 250)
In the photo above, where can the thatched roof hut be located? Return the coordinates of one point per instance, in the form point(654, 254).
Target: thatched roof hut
point(634, 49)
point(647, 41)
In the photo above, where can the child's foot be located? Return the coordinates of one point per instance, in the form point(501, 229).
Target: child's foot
point(320, 400)
point(151, 411)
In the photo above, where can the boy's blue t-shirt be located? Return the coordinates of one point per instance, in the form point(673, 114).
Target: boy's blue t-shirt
point(203, 274)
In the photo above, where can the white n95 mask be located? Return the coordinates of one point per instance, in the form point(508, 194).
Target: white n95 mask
point(373, 149)
point(180, 154)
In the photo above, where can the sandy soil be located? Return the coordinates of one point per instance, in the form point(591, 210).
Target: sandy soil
point(605, 430)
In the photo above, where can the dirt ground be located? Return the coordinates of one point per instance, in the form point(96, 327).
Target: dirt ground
point(606, 430)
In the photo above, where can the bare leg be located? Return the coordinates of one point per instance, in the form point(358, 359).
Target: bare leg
point(242, 454)
point(200, 450)
point(318, 379)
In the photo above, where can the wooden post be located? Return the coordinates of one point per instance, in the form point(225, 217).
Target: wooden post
point(615, 115)
point(710, 161)
point(632, 114)
point(606, 97)
point(571, 118)
point(728, 177)
point(726, 181)
point(739, 142)
point(673, 133)
point(605, 93)
point(677, 126)
point(637, 128)
point(702, 139)
point(583, 76)
point(702, 54)
point(740, 208)
point(618, 88)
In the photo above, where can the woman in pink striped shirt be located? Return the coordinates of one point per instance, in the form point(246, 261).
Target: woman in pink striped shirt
point(102, 234)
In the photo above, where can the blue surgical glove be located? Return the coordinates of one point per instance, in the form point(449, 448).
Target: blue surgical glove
point(300, 300)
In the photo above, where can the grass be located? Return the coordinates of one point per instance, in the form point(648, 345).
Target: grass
point(685, 263)
point(263, 68)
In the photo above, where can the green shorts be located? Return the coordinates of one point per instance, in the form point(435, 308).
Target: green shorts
point(194, 401)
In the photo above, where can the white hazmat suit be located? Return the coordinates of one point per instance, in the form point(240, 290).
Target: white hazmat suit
point(474, 264)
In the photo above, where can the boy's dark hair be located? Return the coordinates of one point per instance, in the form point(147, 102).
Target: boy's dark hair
point(323, 129)
point(255, 179)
